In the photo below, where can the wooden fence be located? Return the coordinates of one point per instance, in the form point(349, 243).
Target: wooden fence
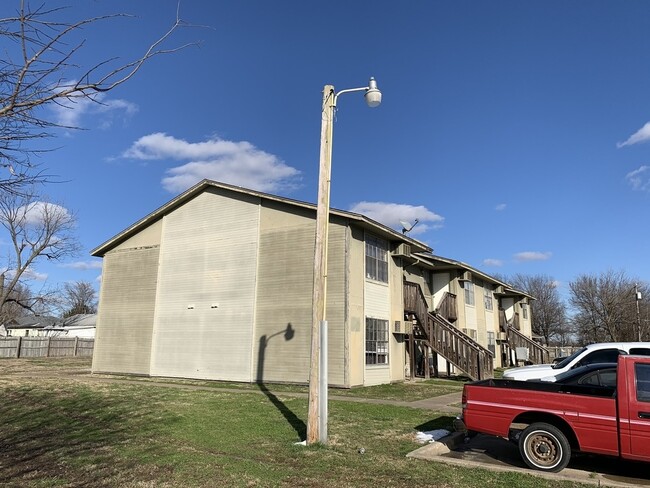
point(33, 347)
point(562, 351)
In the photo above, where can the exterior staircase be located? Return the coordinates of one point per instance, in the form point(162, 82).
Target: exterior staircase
point(537, 354)
point(437, 332)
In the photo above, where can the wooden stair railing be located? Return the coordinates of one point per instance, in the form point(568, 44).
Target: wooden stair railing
point(537, 353)
point(447, 307)
point(445, 339)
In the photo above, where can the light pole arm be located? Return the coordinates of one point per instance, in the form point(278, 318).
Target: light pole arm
point(349, 90)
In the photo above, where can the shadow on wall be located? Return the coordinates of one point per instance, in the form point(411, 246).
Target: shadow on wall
point(296, 423)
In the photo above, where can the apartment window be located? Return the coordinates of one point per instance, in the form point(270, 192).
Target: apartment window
point(376, 259)
point(376, 341)
point(487, 297)
point(468, 286)
point(524, 310)
point(491, 342)
point(472, 333)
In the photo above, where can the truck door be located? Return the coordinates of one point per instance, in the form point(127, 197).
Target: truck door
point(639, 411)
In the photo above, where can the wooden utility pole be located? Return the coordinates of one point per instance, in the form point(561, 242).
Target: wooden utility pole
point(317, 398)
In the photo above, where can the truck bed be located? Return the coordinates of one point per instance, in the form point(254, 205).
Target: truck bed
point(599, 391)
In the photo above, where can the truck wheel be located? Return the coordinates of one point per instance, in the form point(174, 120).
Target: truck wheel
point(544, 447)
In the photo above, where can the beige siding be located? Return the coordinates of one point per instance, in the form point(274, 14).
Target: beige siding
point(126, 310)
point(377, 306)
point(357, 319)
point(205, 303)
point(480, 313)
point(149, 236)
point(337, 304)
point(282, 347)
point(440, 287)
point(397, 354)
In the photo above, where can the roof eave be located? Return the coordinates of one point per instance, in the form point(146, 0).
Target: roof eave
point(187, 195)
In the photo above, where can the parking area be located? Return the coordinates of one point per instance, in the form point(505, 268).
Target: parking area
point(498, 454)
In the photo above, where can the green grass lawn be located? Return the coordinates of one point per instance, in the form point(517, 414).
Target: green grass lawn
point(57, 432)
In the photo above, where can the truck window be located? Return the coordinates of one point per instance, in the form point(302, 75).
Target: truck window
point(601, 356)
point(642, 382)
point(604, 377)
point(640, 351)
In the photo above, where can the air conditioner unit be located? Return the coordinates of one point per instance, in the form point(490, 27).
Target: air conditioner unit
point(408, 327)
point(465, 276)
point(522, 353)
point(403, 327)
point(500, 290)
point(502, 336)
point(402, 249)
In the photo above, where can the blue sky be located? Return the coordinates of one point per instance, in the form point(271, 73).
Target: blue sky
point(518, 133)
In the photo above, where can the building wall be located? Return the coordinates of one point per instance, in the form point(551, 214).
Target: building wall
point(356, 298)
point(147, 237)
point(378, 306)
point(126, 311)
point(441, 286)
point(206, 288)
point(396, 346)
point(282, 344)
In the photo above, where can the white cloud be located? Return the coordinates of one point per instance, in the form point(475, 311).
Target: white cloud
point(521, 257)
point(642, 135)
point(28, 274)
point(390, 214)
point(70, 113)
point(492, 262)
point(36, 212)
point(500, 207)
point(639, 179)
point(83, 265)
point(237, 163)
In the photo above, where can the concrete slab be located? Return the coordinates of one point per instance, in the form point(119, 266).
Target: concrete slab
point(496, 454)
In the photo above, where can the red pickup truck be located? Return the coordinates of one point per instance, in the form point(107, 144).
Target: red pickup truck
point(550, 421)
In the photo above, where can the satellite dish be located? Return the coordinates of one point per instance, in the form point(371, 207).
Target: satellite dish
point(407, 226)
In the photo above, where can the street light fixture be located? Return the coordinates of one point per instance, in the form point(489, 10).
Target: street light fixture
point(317, 413)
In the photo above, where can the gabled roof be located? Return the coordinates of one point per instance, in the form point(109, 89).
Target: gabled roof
point(31, 322)
point(80, 320)
point(206, 184)
point(440, 263)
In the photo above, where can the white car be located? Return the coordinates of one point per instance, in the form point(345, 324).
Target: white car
point(604, 352)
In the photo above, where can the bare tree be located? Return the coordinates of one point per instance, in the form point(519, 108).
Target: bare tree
point(79, 297)
point(605, 307)
point(38, 68)
point(37, 230)
point(548, 311)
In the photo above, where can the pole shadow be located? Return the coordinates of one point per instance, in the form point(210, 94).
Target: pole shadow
point(296, 423)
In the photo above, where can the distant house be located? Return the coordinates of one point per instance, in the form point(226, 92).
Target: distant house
point(28, 326)
point(217, 284)
point(79, 325)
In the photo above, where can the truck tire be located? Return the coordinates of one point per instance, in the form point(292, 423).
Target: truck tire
point(544, 447)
